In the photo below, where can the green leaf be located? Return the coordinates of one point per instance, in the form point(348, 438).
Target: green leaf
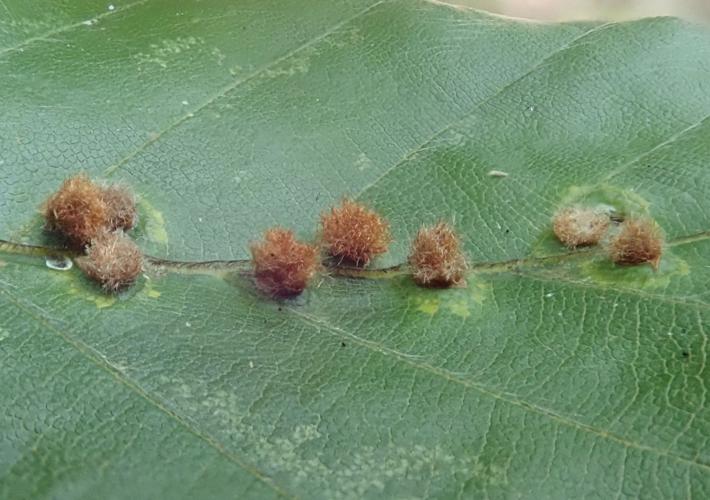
point(553, 375)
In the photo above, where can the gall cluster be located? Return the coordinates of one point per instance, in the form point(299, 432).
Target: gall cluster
point(635, 241)
point(93, 219)
point(352, 235)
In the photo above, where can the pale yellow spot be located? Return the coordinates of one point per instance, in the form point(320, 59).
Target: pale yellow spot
point(99, 300)
point(461, 305)
point(480, 292)
point(84, 292)
point(620, 199)
point(150, 291)
point(3, 263)
point(103, 301)
point(428, 306)
point(459, 308)
point(457, 301)
point(155, 223)
point(683, 268)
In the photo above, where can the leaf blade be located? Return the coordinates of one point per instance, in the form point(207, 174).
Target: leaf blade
point(554, 374)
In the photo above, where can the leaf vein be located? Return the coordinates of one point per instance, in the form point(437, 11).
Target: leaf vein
point(235, 85)
point(94, 356)
point(673, 138)
point(528, 407)
point(423, 146)
point(66, 28)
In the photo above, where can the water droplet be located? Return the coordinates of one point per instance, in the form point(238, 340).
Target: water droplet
point(59, 263)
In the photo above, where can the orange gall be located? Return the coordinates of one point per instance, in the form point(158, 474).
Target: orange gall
point(436, 257)
point(77, 210)
point(81, 209)
point(120, 207)
point(113, 260)
point(638, 241)
point(580, 226)
point(354, 234)
point(282, 265)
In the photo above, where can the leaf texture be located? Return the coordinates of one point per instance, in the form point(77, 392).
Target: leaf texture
point(552, 375)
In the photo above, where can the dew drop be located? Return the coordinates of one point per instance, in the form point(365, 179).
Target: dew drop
point(59, 263)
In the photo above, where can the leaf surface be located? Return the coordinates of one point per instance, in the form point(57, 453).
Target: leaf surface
point(552, 375)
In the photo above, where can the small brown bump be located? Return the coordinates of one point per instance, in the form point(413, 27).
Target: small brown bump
point(354, 234)
point(77, 210)
point(638, 241)
point(437, 259)
point(121, 207)
point(580, 226)
point(113, 260)
point(282, 265)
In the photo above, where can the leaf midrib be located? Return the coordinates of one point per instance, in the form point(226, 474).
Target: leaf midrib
point(522, 267)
